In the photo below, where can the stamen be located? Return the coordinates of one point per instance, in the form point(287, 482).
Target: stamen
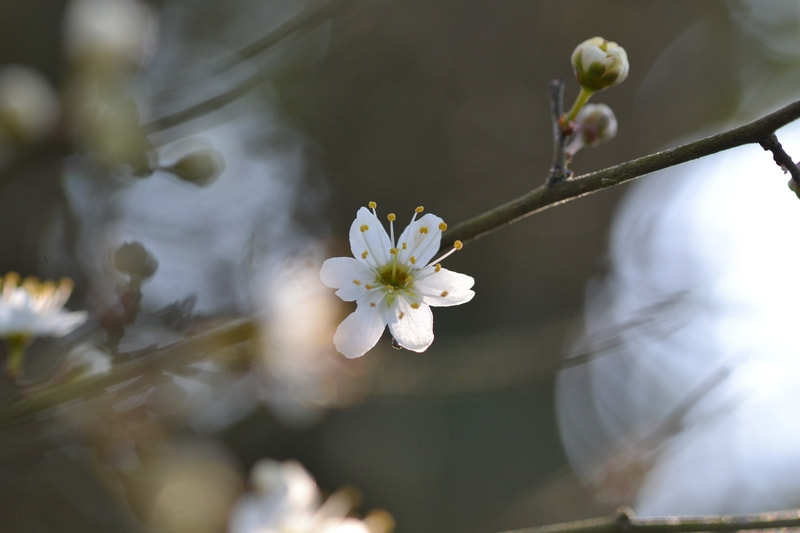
point(442, 226)
point(444, 294)
point(364, 255)
point(419, 209)
point(368, 287)
point(357, 282)
point(391, 217)
point(372, 205)
point(423, 229)
point(436, 264)
point(400, 315)
point(363, 228)
point(415, 305)
point(413, 260)
point(372, 304)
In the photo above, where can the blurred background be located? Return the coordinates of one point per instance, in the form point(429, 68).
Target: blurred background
point(190, 163)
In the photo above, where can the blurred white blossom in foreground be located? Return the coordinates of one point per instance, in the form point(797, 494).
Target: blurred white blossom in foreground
point(286, 500)
point(35, 308)
point(393, 283)
point(687, 404)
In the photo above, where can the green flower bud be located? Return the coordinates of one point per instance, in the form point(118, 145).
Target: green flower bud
point(200, 167)
point(599, 64)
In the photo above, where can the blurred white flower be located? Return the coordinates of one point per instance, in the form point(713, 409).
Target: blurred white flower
point(35, 308)
point(286, 500)
point(299, 370)
point(29, 107)
point(110, 33)
point(392, 283)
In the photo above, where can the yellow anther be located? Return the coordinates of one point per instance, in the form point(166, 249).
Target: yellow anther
point(444, 294)
point(372, 304)
point(458, 245)
point(364, 255)
point(415, 305)
point(391, 217)
point(419, 209)
point(393, 251)
point(363, 228)
point(357, 282)
point(404, 245)
point(372, 205)
point(437, 267)
point(368, 287)
point(442, 226)
point(423, 229)
point(413, 260)
point(400, 315)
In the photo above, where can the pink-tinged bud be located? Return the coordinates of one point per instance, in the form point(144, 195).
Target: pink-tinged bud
point(599, 64)
point(595, 124)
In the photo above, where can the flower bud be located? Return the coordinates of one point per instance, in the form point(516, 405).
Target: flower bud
point(599, 64)
point(595, 124)
point(200, 167)
point(29, 108)
point(133, 259)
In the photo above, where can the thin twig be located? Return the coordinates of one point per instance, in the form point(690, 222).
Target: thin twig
point(782, 159)
point(559, 171)
point(547, 196)
point(305, 19)
point(623, 522)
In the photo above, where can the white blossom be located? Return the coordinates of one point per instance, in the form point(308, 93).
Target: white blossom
point(35, 308)
point(286, 499)
point(393, 283)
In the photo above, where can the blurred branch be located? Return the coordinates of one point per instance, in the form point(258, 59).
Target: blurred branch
point(193, 348)
point(623, 521)
point(307, 18)
point(552, 194)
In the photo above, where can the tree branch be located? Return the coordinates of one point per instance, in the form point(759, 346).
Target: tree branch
point(623, 522)
point(553, 194)
point(308, 18)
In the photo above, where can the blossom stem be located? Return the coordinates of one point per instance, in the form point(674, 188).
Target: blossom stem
point(16, 355)
point(580, 101)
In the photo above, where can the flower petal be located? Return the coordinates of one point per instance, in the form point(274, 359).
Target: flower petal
point(445, 288)
point(421, 239)
point(412, 328)
point(360, 331)
point(347, 275)
point(369, 241)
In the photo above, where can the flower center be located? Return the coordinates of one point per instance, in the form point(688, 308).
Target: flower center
point(394, 275)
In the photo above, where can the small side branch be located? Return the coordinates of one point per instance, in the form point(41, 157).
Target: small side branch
point(780, 157)
point(559, 171)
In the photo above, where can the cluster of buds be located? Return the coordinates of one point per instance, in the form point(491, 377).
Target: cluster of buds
point(598, 65)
